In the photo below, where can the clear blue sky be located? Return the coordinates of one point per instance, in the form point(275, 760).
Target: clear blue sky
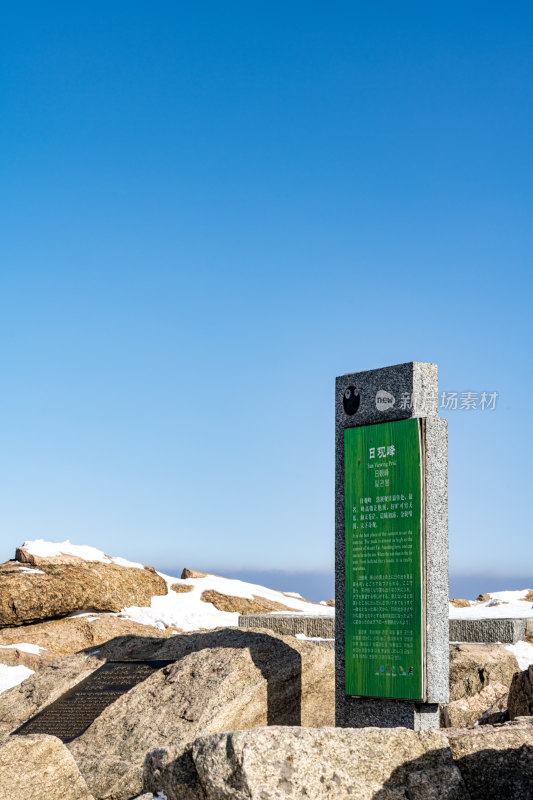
point(209, 210)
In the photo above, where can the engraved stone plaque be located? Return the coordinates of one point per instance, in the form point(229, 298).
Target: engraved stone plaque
point(72, 713)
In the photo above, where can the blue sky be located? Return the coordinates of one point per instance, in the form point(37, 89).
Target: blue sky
point(211, 210)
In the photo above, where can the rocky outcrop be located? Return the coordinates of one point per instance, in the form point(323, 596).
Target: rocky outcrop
point(63, 636)
point(520, 702)
point(39, 768)
point(181, 588)
point(60, 587)
point(323, 764)
point(32, 695)
point(474, 666)
point(495, 762)
point(467, 711)
point(480, 676)
point(459, 602)
point(243, 605)
point(13, 656)
point(193, 573)
point(222, 680)
point(488, 763)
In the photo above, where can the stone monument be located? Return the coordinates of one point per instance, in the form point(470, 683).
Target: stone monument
point(391, 549)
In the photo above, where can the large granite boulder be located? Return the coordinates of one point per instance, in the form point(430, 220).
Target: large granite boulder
point(221, 680)
point(520, 702)
point(496, 762)
point(480, 677)
point(39, 768)
point(325, 763)
point(275, 763)
point(39, 690)
point(63, 585)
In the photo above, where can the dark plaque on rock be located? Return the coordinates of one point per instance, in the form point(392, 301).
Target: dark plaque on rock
point(72, 713)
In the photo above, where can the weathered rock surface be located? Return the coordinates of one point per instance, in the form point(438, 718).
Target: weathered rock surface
point(325, 763)
point(243, 605)
point(275, 763)
point(495, 763)
point(12, 656)
point(32, 695)
point(480, 676)
point(63, 636)
point(474, 666)
point(222, 680)
point(467, 711)
point(520, 701)
point(193, 573)
point(39, 768)
point(57, 589)
point(459, 602)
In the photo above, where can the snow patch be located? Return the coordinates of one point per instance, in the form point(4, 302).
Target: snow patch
point(501, 605)
point(29, 570)
point(12, 676)
point(523, 652)
point(305, 638)
point(39, 547)
point(186, 610)
point(24, 647)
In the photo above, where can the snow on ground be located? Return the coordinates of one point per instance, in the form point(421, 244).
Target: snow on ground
point(523, 652)
point(24, 647)
point(187, 611)
point(28, 570)
point(12, 676)
point(501, 605)
point(38, 547)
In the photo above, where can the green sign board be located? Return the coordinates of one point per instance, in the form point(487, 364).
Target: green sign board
point(384, 608)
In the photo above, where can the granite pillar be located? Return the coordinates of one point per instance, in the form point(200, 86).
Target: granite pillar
point(385, 395)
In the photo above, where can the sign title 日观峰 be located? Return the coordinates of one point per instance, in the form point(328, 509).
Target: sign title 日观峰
point(383, 452)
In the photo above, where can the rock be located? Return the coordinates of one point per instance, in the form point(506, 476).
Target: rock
point(243, 605)
point(520, 702)
point(474, 666)
point(58, 589)
point(222, 680)
point(495, 763)
point(483, 598)
point(193, 573)
point(480, 676)
point(330, 603)
point(39, 768)
point(12, 656)
point(181, 588)
point(323, 764)
point(460, 602)
point(63, 636)
point(467, 711)
point(32, 695)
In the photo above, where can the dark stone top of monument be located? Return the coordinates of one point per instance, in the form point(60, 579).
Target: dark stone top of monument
point(72, 713)
point(387, 394)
